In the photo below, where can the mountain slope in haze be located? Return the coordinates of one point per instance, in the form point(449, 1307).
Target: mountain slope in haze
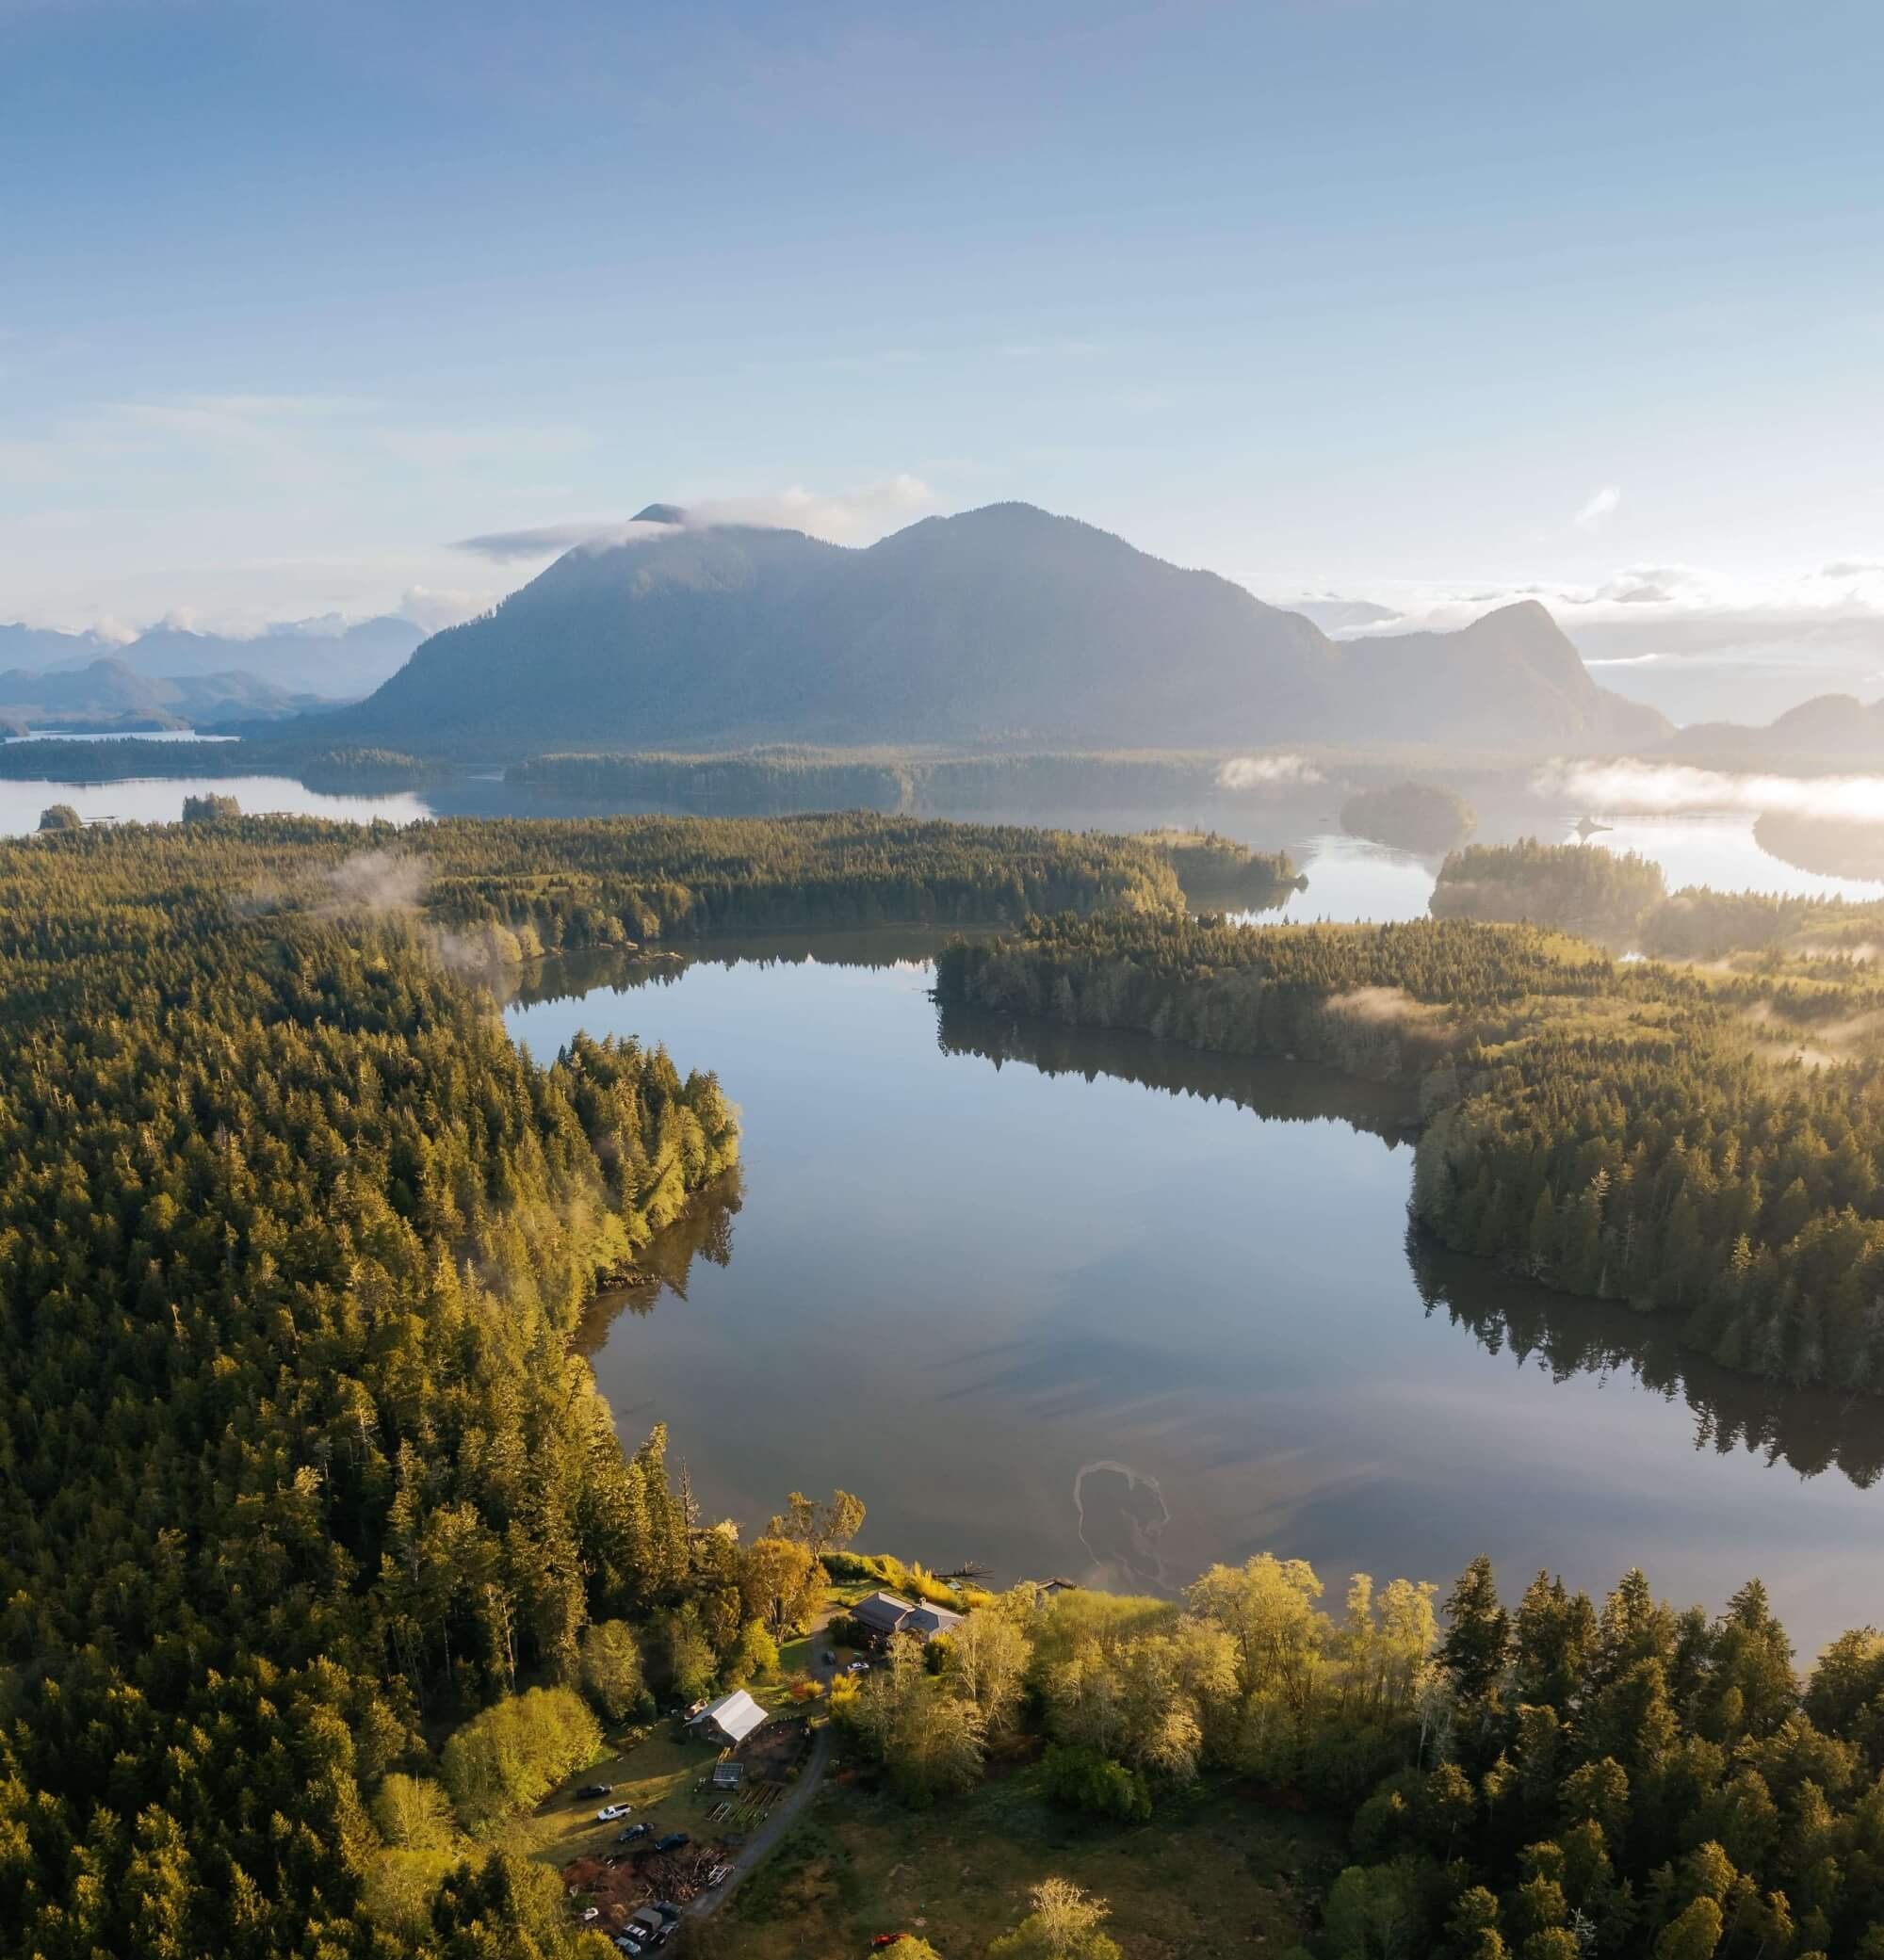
point(44, 647)
point(1344, 615)
point(308, 657)
point(1001, 624)
point(326, 658)
point(1512, 674)
point(108, 688)
point(1828, 728)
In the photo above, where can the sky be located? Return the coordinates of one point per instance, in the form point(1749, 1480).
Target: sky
point(1427, 302)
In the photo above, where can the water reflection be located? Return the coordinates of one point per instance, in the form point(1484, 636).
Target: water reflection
point(1103, 1307)
point(160, 799)
point(1809, 1429)
point(1301, 1092)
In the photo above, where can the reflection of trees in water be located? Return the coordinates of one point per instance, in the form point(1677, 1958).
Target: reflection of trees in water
point(569, 976)
point(1829, 847)
point(1281, 1092)
point(702, 1231)
point(1809, 1430)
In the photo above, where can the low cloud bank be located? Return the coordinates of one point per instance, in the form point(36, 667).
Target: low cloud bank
point(1665, 789)
point(1266, 771)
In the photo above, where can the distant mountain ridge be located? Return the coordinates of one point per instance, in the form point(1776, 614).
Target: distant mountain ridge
point(107, 688)
point(1001, 624)
point(1828, 728)
point(326, 658)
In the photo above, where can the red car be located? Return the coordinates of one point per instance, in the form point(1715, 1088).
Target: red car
point(887, 1940)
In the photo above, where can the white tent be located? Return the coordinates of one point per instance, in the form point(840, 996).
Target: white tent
point(731, 1719)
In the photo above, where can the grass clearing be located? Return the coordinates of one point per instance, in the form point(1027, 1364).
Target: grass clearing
point(656, 1774)
point(1213, 1874)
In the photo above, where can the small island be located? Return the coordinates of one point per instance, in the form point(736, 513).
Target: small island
point(1421, 817)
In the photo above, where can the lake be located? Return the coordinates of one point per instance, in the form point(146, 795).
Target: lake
point(1349, 877)
point(1106, 1309)
point(159, 799)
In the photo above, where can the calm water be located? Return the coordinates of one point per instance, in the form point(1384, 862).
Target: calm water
point(1349, 877)
point(159, 799)
point(1107, 1308)
point(118, 734)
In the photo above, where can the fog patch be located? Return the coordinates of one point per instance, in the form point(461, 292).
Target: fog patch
point(376, 881)
point(1668, 789)
point(1267, 771)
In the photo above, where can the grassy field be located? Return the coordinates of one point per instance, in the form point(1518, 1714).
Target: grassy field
point(1213, 1874)
point(656, 1774)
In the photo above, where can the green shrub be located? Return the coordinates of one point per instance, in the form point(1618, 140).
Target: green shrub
point(1086, 1780)
point(512, 1755)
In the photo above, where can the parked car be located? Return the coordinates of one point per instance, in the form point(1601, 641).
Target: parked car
point(648, 1930)
point(858, 1667)
point(673, 1840)
point(591, 1790)
point(667, 1910)
point(609, 1812)
point(887, 1940)
point(633, 1831)
point(830, 1657)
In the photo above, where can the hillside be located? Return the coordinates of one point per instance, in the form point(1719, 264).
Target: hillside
point(1828, 729)
point(1001, 625)
point(107, 688)
point(326, 658)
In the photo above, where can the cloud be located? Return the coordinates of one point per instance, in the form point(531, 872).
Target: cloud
point(433, 609)
point(1851, 568)
point(376, 881)
point(552, 539)
point(1665, 788)
point(844, 517)
point(1267, 772)
point(1598, 506)
point(1057, 350)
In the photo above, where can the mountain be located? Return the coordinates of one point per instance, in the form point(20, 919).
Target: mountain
point(1828, 728)
point(1003, 625)
point(47, 647)
point(326, 658)
point(1344, 615)
point(109, 688)
point(1513, 674)
point(323, 657)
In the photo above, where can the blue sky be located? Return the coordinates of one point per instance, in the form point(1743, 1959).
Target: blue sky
point(1431, 300)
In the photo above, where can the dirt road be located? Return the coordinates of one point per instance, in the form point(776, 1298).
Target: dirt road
point(789, 1808)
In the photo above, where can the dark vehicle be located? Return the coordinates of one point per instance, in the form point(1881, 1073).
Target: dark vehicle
point(673, 1840)
point(668, 1911)
point(647, 1929)
point(633, 1831)
point(592, 1790)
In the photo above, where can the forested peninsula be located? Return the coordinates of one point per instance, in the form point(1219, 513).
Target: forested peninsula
point(300, 1462)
